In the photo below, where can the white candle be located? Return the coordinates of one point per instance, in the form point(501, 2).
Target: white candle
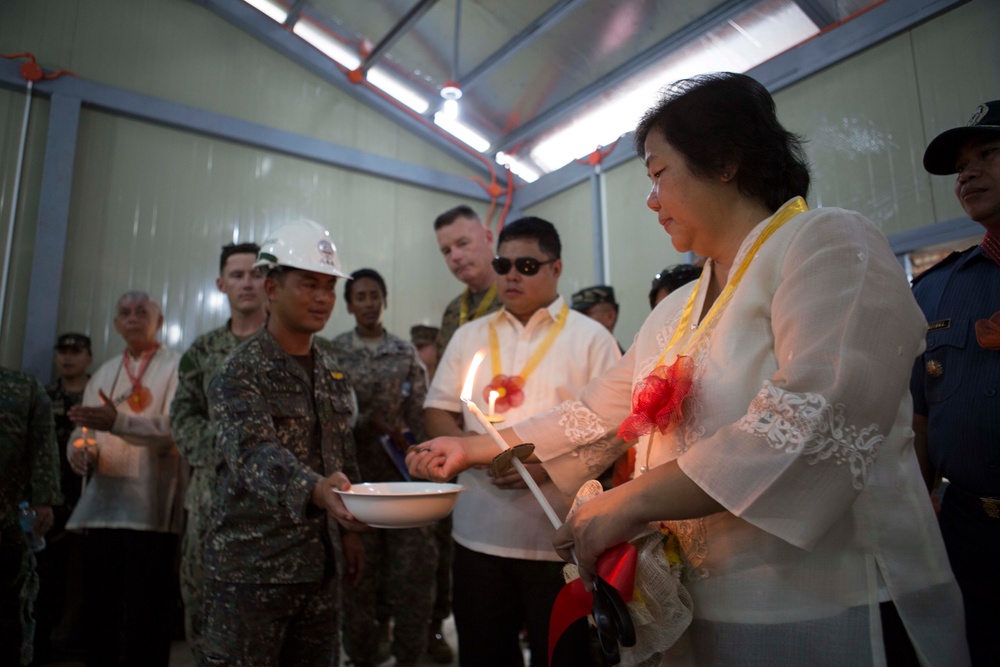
point(494, 395)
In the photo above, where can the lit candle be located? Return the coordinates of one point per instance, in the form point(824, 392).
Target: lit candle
point(494, 395)
point(501, 443)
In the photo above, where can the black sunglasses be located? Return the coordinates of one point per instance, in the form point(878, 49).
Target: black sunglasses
point(528, 266)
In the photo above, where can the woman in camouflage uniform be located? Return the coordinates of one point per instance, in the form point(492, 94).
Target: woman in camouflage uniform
point(391, 384)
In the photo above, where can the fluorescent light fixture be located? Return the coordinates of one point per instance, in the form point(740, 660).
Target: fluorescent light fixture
point(449, 109)
point(319, 38)
point(461, 132)
point(529, 174)
point(271, 8)
point(735, 45)
point(385, 82)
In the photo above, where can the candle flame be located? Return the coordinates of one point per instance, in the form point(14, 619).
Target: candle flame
point(494, 395)
point(471, 376)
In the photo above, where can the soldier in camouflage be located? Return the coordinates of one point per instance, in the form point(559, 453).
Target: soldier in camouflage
point(72, 359)
point(391, 385)
point(243, 286)
point(467, 246)
point(283, 413)
point(29, 470)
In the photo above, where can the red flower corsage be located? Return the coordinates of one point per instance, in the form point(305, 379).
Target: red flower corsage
point(509, 389)
point(657, 400)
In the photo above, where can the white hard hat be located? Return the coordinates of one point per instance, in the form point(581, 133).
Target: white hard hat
point(302, 244)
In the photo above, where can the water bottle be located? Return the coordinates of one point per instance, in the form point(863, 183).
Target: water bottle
point(28, 517)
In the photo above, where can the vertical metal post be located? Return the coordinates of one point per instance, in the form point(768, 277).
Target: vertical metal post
point(15, 197)
point(45, 287)
point(598, 198)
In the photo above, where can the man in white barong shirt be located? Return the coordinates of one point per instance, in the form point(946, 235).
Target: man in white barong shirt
point(132, 503)
point(506, 572)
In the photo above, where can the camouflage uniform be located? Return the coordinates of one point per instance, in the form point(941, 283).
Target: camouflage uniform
point(29, 470)
point(391, 385)
point(62, 401)
point(450, 321)
point(195, 437)
point(269, 553)
point(62, 550)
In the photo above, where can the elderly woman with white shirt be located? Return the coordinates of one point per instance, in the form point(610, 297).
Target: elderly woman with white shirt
point(768, 402)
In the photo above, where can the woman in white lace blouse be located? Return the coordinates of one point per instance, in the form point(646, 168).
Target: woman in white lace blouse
point(770, 406)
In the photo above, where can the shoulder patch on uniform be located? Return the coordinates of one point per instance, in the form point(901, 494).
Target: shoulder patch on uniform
point(939, 325)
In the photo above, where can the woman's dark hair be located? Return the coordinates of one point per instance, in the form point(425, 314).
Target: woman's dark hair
point(671, 278)
point(716, 120)
point(542, 231)
point(364, 273)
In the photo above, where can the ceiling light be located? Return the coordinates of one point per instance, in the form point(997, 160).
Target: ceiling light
point(271, 8)
point(387, 83)
point(450, 90)
point(319, 38)
point(521, 169)
point(735, 45)
point(461, 131)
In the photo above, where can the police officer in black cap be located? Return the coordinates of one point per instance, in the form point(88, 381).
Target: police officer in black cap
point(955, 382)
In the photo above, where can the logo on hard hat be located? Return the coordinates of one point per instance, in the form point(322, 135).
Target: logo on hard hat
point(326, 252)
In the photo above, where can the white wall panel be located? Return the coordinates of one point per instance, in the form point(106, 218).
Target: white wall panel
point(19, 275)
point(153, 206)
point(957, 64)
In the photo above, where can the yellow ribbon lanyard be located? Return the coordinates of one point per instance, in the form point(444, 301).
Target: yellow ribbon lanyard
point(463, 306)
point(784, 214)
point(536, 356)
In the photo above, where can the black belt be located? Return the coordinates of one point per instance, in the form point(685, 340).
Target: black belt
point(988, 505)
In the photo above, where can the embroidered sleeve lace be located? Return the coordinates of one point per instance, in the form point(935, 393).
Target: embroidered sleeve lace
point(806, 424)
point(580, 424)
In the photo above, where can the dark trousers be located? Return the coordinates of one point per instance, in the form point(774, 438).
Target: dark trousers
point(494, 598)
point(972, 539)
point(17, 571)
point(128, 597)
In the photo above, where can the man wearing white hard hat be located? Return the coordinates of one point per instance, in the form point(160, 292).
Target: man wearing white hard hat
point(283, 413)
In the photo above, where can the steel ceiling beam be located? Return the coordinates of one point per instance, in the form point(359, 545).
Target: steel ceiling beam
point(283, 41)
point(644, 60)
point(396, 32)
point(818, 12)
point(533, 31)
point(294, 12)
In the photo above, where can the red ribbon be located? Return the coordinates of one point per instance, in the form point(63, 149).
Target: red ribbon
point(616, 566)
point(657, 400)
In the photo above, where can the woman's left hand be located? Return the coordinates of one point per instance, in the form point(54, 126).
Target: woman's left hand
point(596, 526)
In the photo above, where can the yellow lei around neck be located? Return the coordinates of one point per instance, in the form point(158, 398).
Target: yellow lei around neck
point(783, 215)
point(536, 356)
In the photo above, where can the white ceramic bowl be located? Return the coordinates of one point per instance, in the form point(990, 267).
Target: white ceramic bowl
point(400, 504)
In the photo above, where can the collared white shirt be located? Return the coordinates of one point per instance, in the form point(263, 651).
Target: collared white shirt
point(140, 478)
point(488, 520)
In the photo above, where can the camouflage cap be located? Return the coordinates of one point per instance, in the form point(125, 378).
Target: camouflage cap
point(76, 340)
point(421, 334)
point(591, 296)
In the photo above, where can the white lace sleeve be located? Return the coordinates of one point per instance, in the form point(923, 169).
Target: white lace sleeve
point(820, 401)
point(807, 424)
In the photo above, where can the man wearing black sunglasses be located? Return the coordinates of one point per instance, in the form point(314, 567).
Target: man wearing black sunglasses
point(540, 353)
